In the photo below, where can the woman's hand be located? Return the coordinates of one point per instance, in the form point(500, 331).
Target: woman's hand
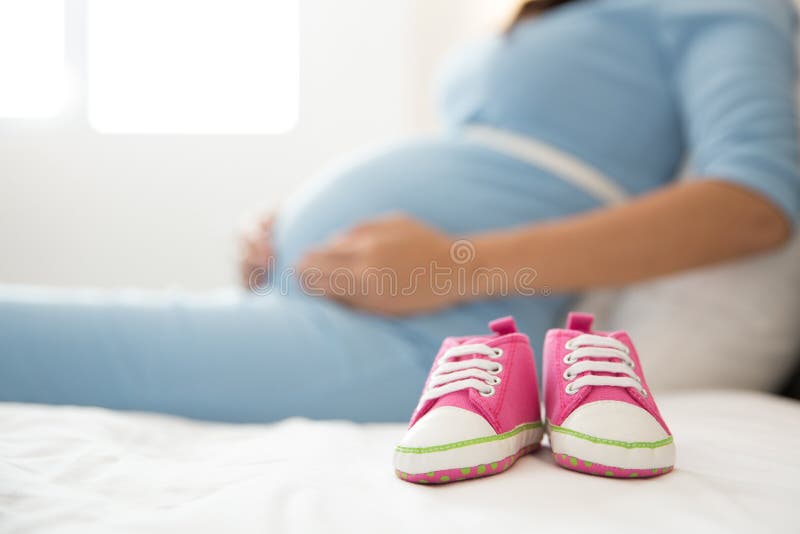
point(394, 265)
point(256, 256)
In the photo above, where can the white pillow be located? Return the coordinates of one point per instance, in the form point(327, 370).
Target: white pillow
point(735, 325)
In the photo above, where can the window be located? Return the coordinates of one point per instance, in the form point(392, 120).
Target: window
point(32, 73)
point(192, 66)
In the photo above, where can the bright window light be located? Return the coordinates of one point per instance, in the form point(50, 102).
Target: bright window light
point(32, 82)
point(193, 66)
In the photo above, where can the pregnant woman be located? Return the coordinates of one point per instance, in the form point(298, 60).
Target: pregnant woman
point(556, 175)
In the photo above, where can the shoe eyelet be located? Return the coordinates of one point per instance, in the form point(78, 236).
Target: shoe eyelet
point(488, 392)
point(570, 389)
point(568, 359)
point(569, 345)
point(498, 352)
point(643, 392)
point(567, 375)
point(497, 370)
point(495, 380)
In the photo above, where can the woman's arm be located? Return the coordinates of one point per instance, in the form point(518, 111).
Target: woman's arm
point(733, 74)
point(397, 265)
point(684, 225)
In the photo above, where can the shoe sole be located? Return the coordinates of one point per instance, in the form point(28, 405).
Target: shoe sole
point(468, 459)
point(612, 458)
point(590, 468)
point(446, 476)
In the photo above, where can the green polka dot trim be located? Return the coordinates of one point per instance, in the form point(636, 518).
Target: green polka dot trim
point(593, 468)
point(463, 473)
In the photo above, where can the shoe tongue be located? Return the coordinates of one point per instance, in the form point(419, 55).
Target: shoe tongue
point(503, 326)
point(476, 340)
point(461, 399)
point(580, 321)
point(600, 393)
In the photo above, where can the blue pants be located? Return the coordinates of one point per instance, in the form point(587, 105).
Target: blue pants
point(239, 357)
point(229, 357)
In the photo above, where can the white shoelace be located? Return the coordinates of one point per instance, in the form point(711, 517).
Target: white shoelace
point(476, 373)
point(594, 346)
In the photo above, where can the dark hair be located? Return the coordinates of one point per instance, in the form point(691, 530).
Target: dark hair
point(532, 8)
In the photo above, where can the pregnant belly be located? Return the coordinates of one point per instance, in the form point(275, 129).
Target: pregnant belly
point(458, 187)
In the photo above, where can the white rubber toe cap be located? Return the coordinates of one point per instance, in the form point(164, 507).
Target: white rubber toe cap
point(615, 420)
point(447, 424)
point(455, 438)
point(614, 433)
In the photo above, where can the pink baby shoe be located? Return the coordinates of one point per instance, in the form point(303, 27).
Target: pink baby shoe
point(479, 410)
point(601, 417)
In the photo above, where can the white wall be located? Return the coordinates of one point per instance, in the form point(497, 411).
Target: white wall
point(80, 208)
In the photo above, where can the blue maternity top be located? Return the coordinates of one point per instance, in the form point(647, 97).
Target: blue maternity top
point(633, 88)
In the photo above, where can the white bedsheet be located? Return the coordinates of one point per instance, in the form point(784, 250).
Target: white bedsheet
point(67, 469)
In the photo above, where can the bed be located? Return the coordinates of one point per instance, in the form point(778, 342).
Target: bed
point(77, 469)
